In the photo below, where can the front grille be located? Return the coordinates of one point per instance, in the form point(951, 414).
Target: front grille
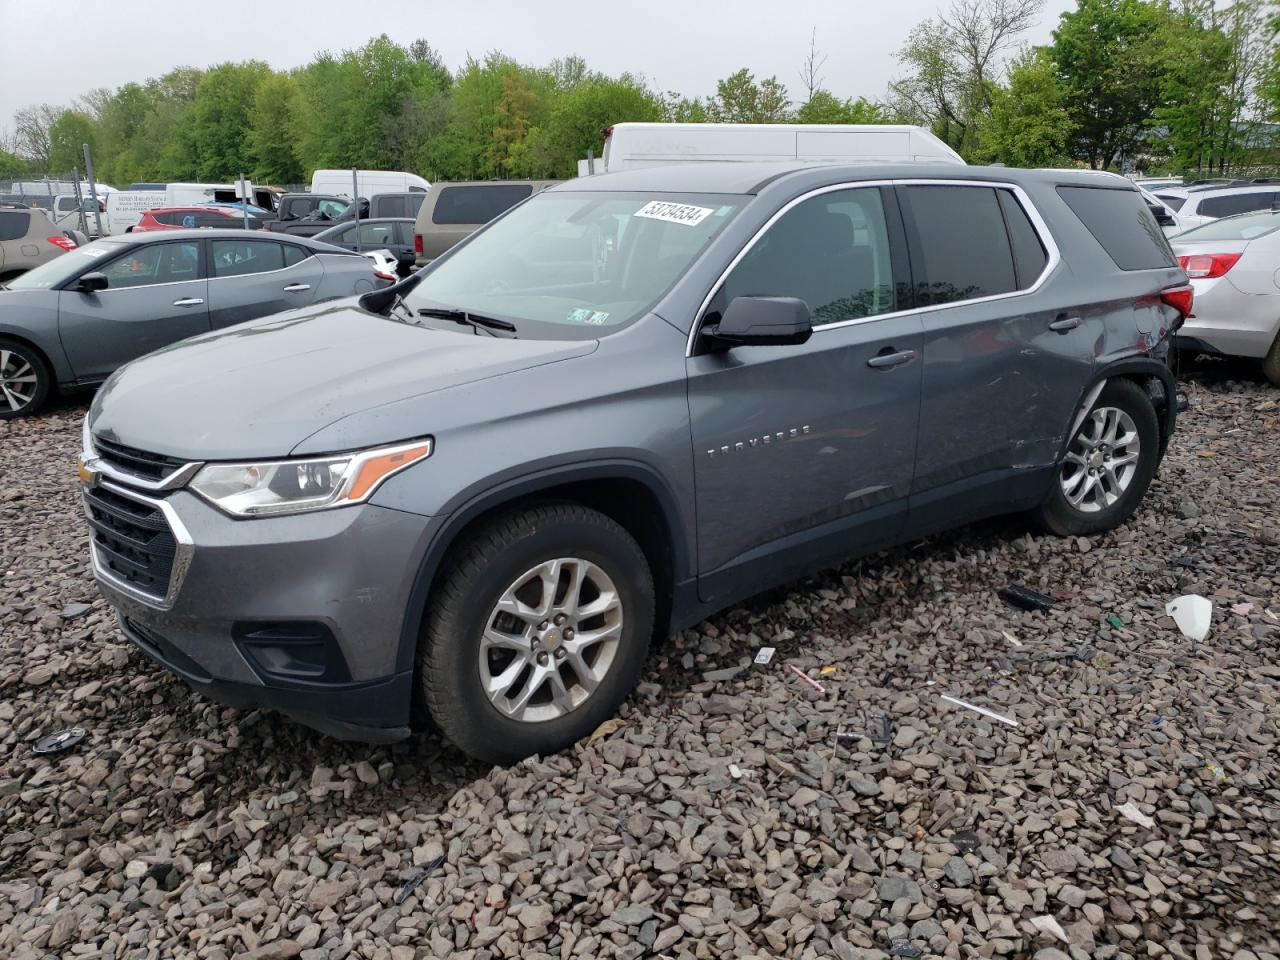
point(153, 466)
point(132, 539)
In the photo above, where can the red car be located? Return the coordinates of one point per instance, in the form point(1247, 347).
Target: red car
point(176, 218)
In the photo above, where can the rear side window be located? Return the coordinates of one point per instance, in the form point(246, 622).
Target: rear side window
point(478, 204)
point(959, 246)
point(1029, 254)
point(294, 254)
point(1229, 204)
point(1122, 223)
point(234, 258)
point(13, 226)
point(1172, 201)
point(391, 207)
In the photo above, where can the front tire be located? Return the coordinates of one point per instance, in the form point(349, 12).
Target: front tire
point(1271, 363)
point(537, 633)
point(1108, 465)
point(25, 380)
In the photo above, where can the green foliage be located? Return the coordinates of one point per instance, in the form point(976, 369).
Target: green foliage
point(825, 107)
point(595, 103)
point(1028, 124)
point(272, 131)
point(67, 137)
point(12, 166)
point(739, 99)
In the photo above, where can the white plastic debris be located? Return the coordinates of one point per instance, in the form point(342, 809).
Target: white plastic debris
point(735, 771)
point(1047, 924)
point(1011, 638)
point(764, 655)
point(1130, 812)
point(982, 710)
point(1193, 614)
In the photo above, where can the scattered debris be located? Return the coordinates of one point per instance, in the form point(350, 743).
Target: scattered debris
point(1130, 812)
point(1193, 614)
point(1047, 924)
point(764, 655)
point(737, 772)
point(1159, 721)
point(905, 949)
point(844, 735)
point(1241, 609)
point(1190, 563)
point(965, 841)
point(1215, 771)
point(1025, 598)
point(612, 725)
point(1011, 638)
point(1009, 721)
point(60, 741)
point(805, 677)
point(826, 671)
point(1115, 621)
point(879, 728)
point(416, 879)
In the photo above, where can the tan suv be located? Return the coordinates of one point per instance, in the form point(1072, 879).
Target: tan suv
point(454, 211)
point(27, 239)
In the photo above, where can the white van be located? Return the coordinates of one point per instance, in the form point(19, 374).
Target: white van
point(370, 183)
point(190, 194)
point(126, 207)
point(631, 145)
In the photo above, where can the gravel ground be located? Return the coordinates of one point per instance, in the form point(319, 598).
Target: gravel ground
point(1134, 810)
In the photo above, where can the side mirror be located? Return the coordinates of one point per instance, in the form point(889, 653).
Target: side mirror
point(763, 321)
point(92, 282)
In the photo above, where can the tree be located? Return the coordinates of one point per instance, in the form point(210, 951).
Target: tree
point(739, 99)
point(594, 103)
point(825, 107)
point(67, 137)
point(31, 128)
point(12, 166)
point(220, 119)
point(1109, 64)
point(272, 136)
point(811, 68)
point(1028, 125)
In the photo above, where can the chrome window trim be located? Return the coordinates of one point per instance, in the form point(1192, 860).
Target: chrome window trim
point(182, 556)
point(1037, 223)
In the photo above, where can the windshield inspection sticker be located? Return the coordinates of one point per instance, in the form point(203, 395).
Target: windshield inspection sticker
point(594, 317)
point(681, 213)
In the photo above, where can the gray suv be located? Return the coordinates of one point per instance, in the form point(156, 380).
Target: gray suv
point(629, 402)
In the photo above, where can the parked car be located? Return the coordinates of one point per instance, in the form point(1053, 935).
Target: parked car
point(1232, 264)
point(1164, 215)
point(1198, 205)
point(306, 214)
point(67, 210)
point(385, 265)
point(184, 218)
point(70, 322)
point(28, 238)
point(394, 235)
point(454, 211)
point(629, 402)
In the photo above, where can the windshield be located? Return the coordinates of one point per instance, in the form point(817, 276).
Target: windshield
point(55, 271)
point(567, 264)
point(1246, 226)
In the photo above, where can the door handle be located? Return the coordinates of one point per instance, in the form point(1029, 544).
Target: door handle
point(297, 287)
point(1064, 323)
point(882, 361)
point(188, 302)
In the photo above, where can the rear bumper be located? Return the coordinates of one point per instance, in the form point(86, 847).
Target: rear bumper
point(1224, 320)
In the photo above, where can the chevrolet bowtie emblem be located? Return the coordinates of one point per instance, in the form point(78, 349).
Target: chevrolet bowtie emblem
point(88, 475)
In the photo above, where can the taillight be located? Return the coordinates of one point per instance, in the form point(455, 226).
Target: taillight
point(1181, 299)
point(382, 275)
point(1207, 266)
point(417, 243)
point(66, 243)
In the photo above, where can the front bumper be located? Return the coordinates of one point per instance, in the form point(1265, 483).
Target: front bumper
point(334, 584)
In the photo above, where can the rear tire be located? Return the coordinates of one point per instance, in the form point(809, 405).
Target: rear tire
point(1271, 363)
point(25, 380)
point(502, 629)
point(1108, 465)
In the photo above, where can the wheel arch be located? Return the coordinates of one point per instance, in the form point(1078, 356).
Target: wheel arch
point(40, 351)
point(631, 493)
point(1144, 371)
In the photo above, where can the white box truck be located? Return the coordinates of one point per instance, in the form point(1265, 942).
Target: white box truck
point(370, 183)
point(631, 145)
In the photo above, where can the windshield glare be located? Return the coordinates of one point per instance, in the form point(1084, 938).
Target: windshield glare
point(55, 271)
point(583, 262)
point(1247, 226)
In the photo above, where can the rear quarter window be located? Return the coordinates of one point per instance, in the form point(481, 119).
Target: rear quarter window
point(1228, 205)
point(13, 225)
point(477, 204)
point(1120, 221)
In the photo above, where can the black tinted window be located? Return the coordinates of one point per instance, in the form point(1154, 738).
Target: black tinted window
point(1029, 255)
point(392, 207)
point(1172, 201)
point(294, 254)
point(1230, 204)
point(216, 220)
point(234, 258)
point(13, 225)
point(1121, 222)
point(478, 204)
point(959, 246)
point(831, 251)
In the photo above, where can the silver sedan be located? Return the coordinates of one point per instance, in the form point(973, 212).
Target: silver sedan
point(1234, 266)
point(72, 321)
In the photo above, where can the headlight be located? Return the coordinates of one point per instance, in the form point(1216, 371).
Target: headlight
point(296, 486)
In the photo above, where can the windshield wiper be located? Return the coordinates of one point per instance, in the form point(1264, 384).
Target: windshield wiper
point(467, 317)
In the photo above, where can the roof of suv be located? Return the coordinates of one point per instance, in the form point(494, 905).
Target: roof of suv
point(223, 233)
point(749, 177)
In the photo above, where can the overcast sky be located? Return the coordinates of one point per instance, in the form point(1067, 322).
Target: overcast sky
point(683, 45)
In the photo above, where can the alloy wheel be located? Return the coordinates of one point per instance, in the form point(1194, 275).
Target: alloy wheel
point(550, 640)
point(1102, 460)
point(18, 380)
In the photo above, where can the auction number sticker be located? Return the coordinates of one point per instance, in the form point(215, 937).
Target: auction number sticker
point(682, 213)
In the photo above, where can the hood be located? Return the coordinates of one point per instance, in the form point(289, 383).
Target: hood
point(259, 389)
